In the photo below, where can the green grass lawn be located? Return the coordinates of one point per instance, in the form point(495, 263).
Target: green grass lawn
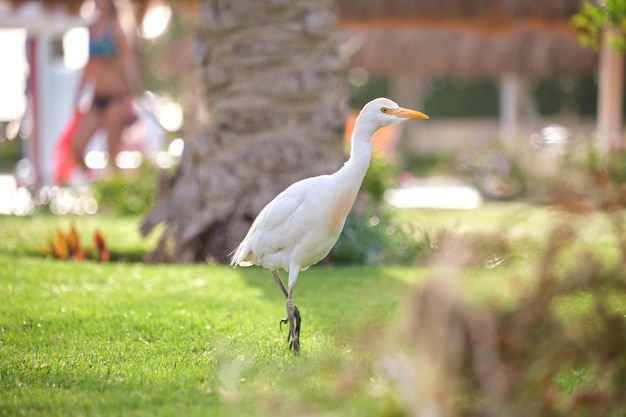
point(129, 339)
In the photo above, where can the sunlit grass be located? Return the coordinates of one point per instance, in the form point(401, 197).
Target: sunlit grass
point(151, 339)
point(125, 338)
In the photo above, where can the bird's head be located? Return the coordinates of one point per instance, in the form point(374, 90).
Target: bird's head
point(384, 112)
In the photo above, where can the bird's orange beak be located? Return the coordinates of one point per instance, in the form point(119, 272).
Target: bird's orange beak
point(407, 113)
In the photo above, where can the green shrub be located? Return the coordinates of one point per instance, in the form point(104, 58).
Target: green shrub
point(129, 194)
point(373, 235)
point(381, 175)
point(10, 153)
point(595, 160)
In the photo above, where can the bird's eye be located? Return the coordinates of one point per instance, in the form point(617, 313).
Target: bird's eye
point(384, 110)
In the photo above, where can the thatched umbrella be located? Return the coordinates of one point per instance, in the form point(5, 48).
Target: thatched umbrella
point(469, 38)
point(432, 37)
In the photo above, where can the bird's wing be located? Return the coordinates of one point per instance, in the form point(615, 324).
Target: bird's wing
point(282, 224)
point(267, 233)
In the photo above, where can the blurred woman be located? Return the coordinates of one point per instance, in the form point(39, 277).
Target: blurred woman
point(105, 90)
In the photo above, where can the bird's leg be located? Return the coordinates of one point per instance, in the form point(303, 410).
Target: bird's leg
point(282, 287)
point(294, 328)
point(298, 320)
point(280, 283)
point(294, 315)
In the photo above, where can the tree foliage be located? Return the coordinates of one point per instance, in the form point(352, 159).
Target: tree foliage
point(596, 15)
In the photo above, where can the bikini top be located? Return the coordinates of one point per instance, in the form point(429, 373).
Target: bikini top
point(103, 47)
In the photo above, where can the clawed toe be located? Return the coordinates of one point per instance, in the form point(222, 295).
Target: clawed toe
point(293, 314)
point(293, 337)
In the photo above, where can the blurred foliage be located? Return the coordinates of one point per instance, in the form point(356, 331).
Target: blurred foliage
point(67, 245)
point(381, 175)
point(590, 178)
point(375, 87)
point(457, 97)
point(545, 173)
point(559, 350)
point(499, 173)
point(594, 16)
point(10, 153)
point(425, 165)
point(565, 95)
point(130, 194)
point(372, 235)
point(599, 162)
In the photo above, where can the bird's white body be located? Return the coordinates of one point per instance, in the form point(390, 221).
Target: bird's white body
point(300, 226)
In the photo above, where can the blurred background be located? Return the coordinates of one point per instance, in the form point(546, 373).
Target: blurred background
point(508, 86)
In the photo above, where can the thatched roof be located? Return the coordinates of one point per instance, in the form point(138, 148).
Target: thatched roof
point(469, 38)
point(467, 10)
point(464, 37)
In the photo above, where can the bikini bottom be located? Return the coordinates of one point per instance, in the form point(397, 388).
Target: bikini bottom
point(101, 102)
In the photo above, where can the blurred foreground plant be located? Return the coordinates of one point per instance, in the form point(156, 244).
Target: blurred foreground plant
point(590, 179)
point(560, 351)
point(66, 245)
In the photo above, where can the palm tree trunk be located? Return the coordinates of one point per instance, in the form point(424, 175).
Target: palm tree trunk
point(272, 75)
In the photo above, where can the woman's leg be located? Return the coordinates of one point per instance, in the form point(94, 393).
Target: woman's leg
point(86, 128)
point(115, 117)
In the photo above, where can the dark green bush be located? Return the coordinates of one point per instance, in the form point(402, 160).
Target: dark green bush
point(373, 236)
point(130, 194)
point(10, 153)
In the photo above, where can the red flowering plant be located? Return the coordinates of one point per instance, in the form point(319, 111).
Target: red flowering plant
point(67, 245)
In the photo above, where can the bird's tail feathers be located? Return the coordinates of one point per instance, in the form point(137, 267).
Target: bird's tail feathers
point(238, 256)
point(234, 257)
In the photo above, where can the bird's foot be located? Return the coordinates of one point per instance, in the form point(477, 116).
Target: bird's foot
point(294, 320)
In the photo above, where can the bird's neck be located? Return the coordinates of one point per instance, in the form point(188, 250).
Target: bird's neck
point(360, 152)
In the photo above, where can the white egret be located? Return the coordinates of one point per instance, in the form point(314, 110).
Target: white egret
point(300, 226)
